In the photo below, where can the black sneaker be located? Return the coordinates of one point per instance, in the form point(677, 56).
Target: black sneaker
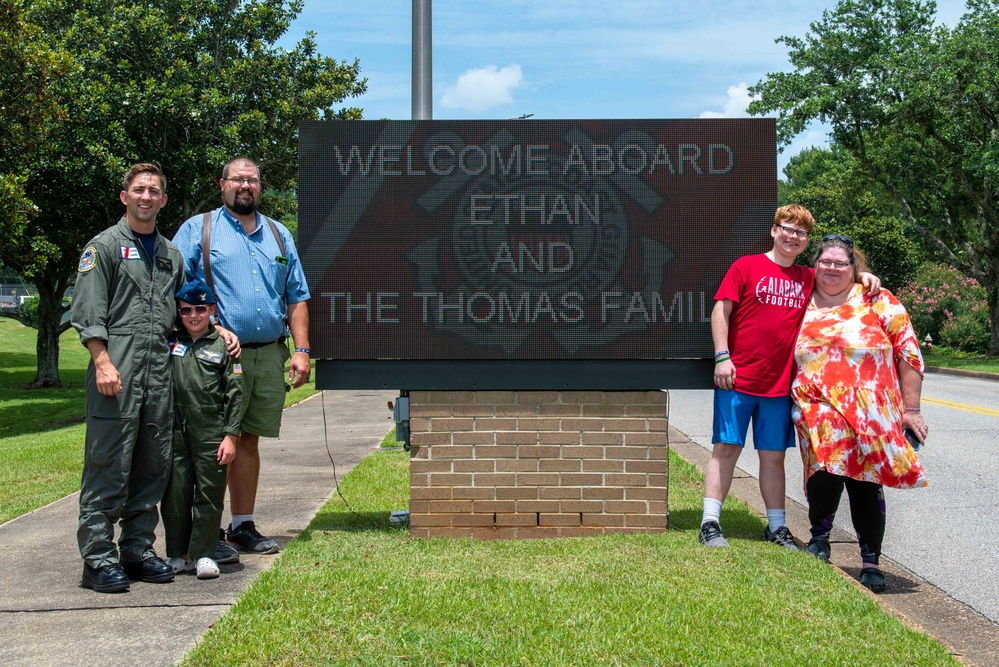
point(711, 535)
point(225, 553)
point(782, 537)
point(246, 537)
point(873, 579)
point(105, 578)
point(819, 547)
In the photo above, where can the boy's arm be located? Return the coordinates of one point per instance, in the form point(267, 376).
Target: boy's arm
point(871, 282)
point(227, 450)
point(720, 316)
point(233, 399)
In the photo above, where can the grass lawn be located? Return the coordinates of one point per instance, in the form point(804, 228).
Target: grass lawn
point(352, 590)
point(949, 359)
point(42, 431)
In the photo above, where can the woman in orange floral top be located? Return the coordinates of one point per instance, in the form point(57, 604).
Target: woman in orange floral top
point(857, 386)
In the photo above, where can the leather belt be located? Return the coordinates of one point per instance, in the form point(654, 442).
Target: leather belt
point(254, 346)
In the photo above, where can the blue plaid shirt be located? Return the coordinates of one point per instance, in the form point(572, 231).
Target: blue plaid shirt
point(252, 287)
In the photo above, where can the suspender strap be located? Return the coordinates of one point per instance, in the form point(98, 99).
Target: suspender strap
point(206, 246)
point(277, 237)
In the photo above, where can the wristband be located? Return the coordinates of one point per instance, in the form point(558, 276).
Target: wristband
point(718, 361)
point(913, 410)
point(303, 349)
point(718, 354)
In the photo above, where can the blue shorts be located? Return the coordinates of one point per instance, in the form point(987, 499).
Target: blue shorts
point(771, 416)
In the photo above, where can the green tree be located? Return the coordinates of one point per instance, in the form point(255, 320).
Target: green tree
point(915, 106)
point(831, 184)
point(186, 83)
point(26, 113)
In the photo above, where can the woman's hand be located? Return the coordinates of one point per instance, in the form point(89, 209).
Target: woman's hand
point(914, 421)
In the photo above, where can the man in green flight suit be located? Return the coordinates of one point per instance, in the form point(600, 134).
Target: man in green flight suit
point(124, 309)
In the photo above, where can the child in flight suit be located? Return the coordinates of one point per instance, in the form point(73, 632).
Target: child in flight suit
point(207, 398)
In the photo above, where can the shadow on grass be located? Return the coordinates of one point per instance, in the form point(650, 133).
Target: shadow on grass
point(737, 522)
point(18, 370)
point(343, 520)
point(24, 412)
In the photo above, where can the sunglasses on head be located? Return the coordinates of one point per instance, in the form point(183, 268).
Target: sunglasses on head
point(187, 310)
point(838, 237)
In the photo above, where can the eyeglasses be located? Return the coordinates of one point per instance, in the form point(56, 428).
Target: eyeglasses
point(829, 264)
point(185, 311)
point(791, 231)
point(839, 237)
point(252, 182)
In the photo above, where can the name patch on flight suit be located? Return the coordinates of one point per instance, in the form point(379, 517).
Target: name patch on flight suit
point(207, 355)
point(178, 349)
point(130, 252)
point(164, 263)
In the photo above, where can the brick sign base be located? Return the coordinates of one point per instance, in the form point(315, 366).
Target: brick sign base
point(530, 464)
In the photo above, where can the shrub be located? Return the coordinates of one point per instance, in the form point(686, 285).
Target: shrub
point(28, 312)
point(948, 306)
point(968, 330)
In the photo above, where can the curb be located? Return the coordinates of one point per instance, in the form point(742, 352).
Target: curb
point(960, 372)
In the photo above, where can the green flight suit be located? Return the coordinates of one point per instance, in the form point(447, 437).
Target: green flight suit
point(207, 394)
point(126, 298)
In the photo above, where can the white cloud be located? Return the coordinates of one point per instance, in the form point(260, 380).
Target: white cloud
point(735, 107)
point(483, 88)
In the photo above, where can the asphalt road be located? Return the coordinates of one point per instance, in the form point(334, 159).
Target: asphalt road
point(944, 533)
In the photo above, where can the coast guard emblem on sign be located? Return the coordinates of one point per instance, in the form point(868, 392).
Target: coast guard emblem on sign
point(88, 260)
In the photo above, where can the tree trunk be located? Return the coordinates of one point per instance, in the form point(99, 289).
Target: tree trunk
point(993, 301)
point(50, 310)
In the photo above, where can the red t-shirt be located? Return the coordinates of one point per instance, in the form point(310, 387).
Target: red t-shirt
point(769, 302)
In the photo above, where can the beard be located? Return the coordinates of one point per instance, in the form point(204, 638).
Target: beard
point(243, 203)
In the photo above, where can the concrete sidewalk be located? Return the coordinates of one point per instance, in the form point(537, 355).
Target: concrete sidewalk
point(48, 619)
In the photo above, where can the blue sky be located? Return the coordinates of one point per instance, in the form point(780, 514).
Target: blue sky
point(571, 58)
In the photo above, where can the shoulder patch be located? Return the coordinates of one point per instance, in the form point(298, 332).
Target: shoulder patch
point(88, 259)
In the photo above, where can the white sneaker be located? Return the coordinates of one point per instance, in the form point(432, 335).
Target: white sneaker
point(179, 565)
point(207, 569)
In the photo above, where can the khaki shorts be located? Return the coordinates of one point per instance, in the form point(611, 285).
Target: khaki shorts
point(264, 388)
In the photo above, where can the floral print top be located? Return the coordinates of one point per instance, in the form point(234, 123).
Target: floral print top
point(847, 401)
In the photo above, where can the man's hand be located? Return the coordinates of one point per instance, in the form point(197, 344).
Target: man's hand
point(300, 369)
point(227, 450)
point(231, 341)
point(725, 374)
point(870, 282)
point(108, 379)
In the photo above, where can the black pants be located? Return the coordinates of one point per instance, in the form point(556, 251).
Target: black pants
point(867, 509)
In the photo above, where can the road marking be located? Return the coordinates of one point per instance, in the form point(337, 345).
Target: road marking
point(990, 412)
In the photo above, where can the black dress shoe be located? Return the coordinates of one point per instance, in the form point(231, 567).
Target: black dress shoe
point(151, 569)
point(108, 578)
